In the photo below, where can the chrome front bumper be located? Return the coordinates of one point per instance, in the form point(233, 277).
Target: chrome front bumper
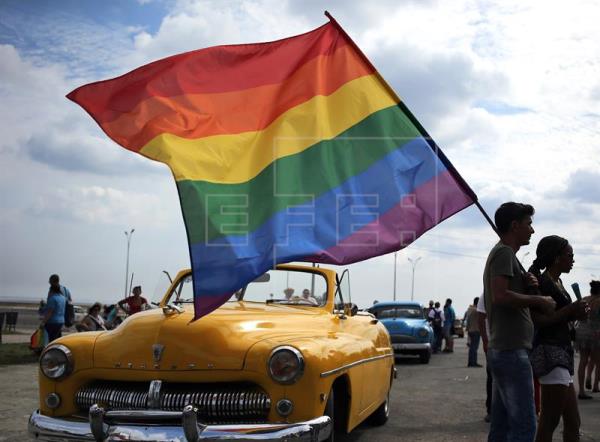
point(412, 346)
point(149, 425)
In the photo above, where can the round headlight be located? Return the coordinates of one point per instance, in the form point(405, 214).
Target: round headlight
point(423, 332)
point(56, 362)
point(286, 365)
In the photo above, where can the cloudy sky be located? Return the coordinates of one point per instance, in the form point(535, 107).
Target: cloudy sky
point(509, 90)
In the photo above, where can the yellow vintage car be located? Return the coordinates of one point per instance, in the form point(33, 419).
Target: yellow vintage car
point(281, 360)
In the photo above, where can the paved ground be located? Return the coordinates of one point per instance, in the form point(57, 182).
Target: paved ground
point(442, 401)
point(18, 397)
point(445, 401)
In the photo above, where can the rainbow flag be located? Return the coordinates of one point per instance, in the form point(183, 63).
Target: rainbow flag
point(292, 150)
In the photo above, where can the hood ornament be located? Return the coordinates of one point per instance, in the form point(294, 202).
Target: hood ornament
point(157, 352)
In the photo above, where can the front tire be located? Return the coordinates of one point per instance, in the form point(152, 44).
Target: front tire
point(424, 357)
point(330, 411)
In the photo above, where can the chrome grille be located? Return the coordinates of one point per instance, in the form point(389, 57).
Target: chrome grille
point(130, 396)
point(216, 402)
point(402, 339)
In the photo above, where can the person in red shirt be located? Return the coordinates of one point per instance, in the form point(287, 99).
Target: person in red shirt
point(135, 303)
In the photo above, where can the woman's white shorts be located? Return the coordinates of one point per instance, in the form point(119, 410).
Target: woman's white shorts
point(558, 376)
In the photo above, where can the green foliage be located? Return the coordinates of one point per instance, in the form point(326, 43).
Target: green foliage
point(20, 353)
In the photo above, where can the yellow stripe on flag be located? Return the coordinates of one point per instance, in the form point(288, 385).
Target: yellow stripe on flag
point(238, 158)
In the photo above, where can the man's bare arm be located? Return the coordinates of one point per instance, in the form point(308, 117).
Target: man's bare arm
point(501, 295)
point(483, 330)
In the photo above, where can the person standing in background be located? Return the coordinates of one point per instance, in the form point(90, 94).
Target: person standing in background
point(588, 344)
point(472, 324)
point(135, 303)
point(449, 317)
point(54, 311)
point(436, 319)
point(65, 291)
point(505, 285)
point(552, 357)
point(426, 310)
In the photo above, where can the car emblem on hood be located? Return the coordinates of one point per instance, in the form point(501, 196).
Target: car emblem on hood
point(157, 351)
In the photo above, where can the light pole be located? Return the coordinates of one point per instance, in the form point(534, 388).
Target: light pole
point(412, 288)
point(128, 235)
point(395, 259)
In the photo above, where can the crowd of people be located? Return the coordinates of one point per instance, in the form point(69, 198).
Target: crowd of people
point(528, 323)
point(529, 326)
point(57, 311)
point(442, 323)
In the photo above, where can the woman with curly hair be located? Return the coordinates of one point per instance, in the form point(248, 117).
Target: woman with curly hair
point(588, 344)
point(552, 356)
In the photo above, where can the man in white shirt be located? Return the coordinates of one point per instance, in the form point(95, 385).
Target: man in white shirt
point(436, 319)
point(485, 331)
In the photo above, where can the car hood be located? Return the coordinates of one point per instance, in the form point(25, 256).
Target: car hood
point(403, 325)
point(219, 340)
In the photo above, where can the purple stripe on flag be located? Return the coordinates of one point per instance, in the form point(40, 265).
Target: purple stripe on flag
point(431, 203)
point(204, 304)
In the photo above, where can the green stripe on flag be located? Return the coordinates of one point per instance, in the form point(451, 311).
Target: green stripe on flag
point(293, 180)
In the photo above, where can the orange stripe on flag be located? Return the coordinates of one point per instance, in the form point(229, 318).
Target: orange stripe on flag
point(200, 115)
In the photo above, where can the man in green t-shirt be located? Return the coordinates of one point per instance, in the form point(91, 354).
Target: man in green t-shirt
point(511, 329)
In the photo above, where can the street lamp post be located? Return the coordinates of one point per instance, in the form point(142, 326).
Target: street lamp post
point(412, 288)
point(128, 235)
point(395, 258)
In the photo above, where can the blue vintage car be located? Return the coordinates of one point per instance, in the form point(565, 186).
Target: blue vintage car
point(409, 329)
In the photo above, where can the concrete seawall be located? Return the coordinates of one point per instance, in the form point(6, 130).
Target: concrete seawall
point(28, 318)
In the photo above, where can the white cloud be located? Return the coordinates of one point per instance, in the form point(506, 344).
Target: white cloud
point(444, 58)
point(194, 25)
point(84, 46)
point(31, 98)
point(99, 205)
point(583, 186)
point(37, 120)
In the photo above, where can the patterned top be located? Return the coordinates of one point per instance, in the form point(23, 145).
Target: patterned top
point(555, 334)
point(552, 343)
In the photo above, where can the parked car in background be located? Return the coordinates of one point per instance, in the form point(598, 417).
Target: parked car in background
point(459, 330)
point(80, 313)
point(409, 330)
point(270, 364)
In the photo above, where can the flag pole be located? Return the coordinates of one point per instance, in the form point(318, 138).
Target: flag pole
point(432, 144)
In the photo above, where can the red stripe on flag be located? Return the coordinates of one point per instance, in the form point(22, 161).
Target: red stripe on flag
point(200, 115)
point(210, 70)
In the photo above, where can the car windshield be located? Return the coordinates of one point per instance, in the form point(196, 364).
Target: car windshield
point(162, 285)
point(292, 287)
point(408, 312)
